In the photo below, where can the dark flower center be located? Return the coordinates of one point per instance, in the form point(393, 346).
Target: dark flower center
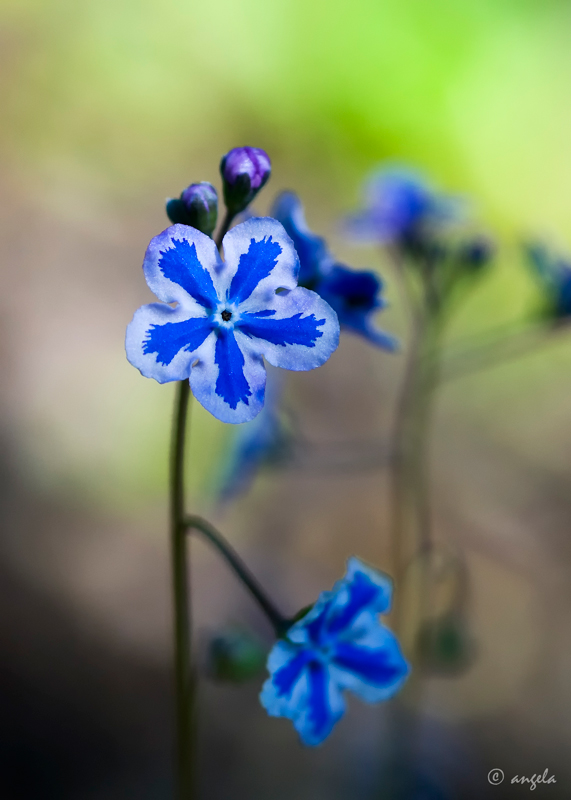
point(226, 315)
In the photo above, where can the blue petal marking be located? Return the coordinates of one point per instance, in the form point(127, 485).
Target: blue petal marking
point(169, 339)
point(373, 666)
point(361, 592)
point(292, 330)
point(288, 675)
point(315, 627)
point(319, 711)
point(254, 265)
point(231, 384)
point(180, 264)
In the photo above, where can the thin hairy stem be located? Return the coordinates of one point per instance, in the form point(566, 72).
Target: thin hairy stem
point(242, 572)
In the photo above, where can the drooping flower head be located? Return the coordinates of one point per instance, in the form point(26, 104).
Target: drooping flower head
point(244, 171)
point(197, 206)
point(228, 316)
point(355, 295)
point(400, 208)
point(554, 273)
point(339, 645)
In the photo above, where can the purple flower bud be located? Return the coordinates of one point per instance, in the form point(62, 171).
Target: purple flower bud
point(244, 171)
point(197, 206)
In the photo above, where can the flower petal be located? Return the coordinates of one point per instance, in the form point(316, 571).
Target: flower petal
point(322, 705)
point(374, 671)
point(294, 330)
point(260, 258)
point(182, 265)
point(355, 296)
point(300, 688)
point(162, 342)
point(229, 378)
point(314, 257)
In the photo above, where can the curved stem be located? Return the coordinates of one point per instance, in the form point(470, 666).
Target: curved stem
point(181, 600)
point(279, 622)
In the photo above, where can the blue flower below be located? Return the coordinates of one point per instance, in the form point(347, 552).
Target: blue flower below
point(340, 644)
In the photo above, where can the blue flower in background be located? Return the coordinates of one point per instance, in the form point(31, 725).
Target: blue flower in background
point(263, 441)
point(555, 276)
point(399, 207)
point(228, 315)
point(340, 644)
point(354, 295)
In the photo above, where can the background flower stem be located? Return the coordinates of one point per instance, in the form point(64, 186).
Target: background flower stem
point(182, 629)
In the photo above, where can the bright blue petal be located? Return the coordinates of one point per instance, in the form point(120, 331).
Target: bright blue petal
point(361, 593)
point(254, 265)
point(163, 342)
point(287, 676)
point(355, 296)
point(231, 384)
point(183, 265)
point(314, 257)
point(321, 708)
point(291, 330)
point(180, 264)
point(229, 379)
point(169, 339)
point(260, 258)
point(373, 666)
point(300, 334)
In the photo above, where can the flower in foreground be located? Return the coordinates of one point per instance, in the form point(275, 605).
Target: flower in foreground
point(554, 274)
point(355, 295)
point(228, 316)
point(340, 644)
point(400, 208)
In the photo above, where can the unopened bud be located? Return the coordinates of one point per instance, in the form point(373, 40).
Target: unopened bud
point(244, 171)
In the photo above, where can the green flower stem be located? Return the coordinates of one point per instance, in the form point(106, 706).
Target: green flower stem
point(181, 601)
point(279, 622)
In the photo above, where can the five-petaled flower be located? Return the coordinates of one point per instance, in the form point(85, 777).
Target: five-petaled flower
point(340, 644)
point(355, 295)
point(228, 315)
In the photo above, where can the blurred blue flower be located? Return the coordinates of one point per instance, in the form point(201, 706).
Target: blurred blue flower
point(554, 273)
point(340, 644)
point(228, 315)
point(354, 295)
point(264, 440)
point(399, 208)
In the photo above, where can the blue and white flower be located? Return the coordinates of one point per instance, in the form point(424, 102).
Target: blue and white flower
point(340, 644)
point(355, 295)
point(228, 316)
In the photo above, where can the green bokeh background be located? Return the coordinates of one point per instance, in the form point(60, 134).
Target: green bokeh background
point(110, 106)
